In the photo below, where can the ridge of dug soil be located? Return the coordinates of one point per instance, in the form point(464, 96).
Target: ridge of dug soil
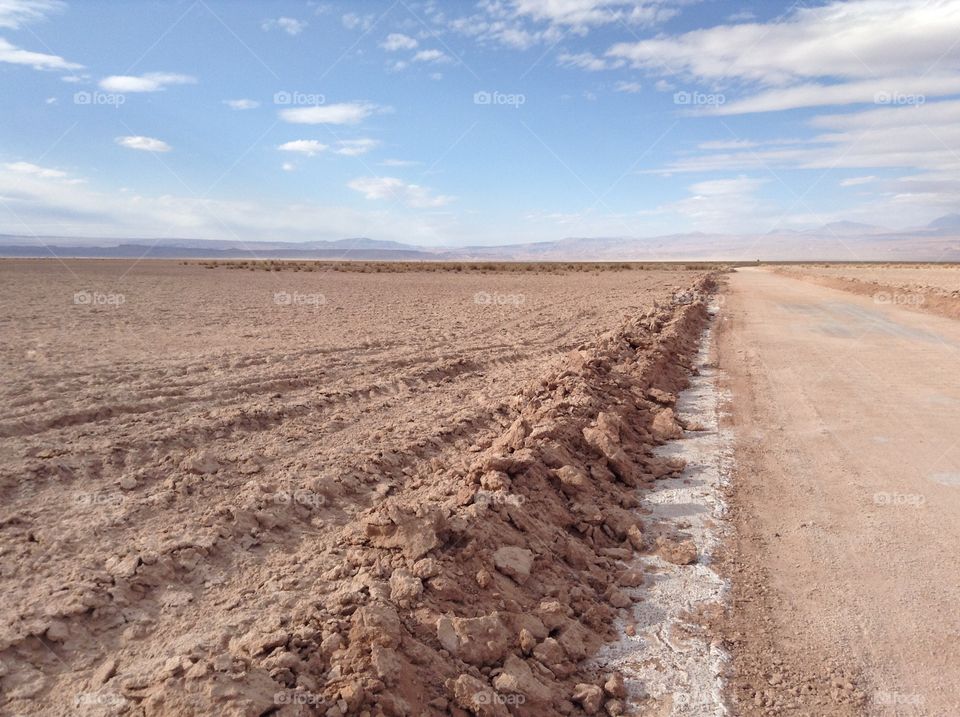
point(477, 587)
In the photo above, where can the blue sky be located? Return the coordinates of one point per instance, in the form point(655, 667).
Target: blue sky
point(475, 122)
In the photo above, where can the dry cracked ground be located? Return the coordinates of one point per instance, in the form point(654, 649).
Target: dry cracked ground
point(292, 493)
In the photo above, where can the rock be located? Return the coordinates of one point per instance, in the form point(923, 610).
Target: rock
point(258, 643)
point(635, 536)
point(589, 696)
point(549, 652)
point(661, 397)
point(373, 624)
point(387, 663)
point(572, 480)
point(665, 426)
point(426, 568)
point(573, 639)
point(58, 631)
point(514, 562)
point(614, 708)
point(678, 553)
point(405, 589)
point(477, 697)
point(476, 640)
point(414, 535)
point(631, 578)
point(605, 439)
point(203, 463)
point(495, 480)
point(128, 482)
point(104, 672)
point(484, 578)
point(527, 641)
point(517, 679)
point(618, 599)
point(615, 686)
point(517, 462)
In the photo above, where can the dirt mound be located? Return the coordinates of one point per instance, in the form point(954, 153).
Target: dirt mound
point(469, 582)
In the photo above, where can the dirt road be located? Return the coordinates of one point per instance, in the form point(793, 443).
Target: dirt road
point(846, 569)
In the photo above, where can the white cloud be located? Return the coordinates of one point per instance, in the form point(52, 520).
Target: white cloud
point(150, 82)
point(589, 13)
point(344, 113)
point(834, 53)
point(726, 204)
point(398, 41)
point(355, 147)
point(885, 90)
point(857, 181)
point(241, 104)
point(345, 147)
point(723, 144)
point(588, 61)
point(37, 60)
point(521, 24)
point(309, 147)
point(53, 206)
point(398, 163)
point(914, 137)
point(288, 167)
point(413, 195)
point(14, 14)
point(289, 25)
point(147, 144)
point(36, 170)
point(431, 56)
point(628, 87)
point(353, 21)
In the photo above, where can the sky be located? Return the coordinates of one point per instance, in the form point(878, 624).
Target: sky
point(474, 123)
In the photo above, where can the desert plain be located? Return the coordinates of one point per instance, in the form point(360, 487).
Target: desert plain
point(342, 490)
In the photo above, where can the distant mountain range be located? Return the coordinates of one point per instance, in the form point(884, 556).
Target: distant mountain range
point(838, 241)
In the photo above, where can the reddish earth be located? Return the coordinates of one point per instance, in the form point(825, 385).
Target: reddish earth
point(844, 503)
point(331, 493)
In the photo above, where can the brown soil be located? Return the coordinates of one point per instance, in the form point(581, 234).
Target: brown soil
point(903, 289)
point(386, 496)
point(844, 502)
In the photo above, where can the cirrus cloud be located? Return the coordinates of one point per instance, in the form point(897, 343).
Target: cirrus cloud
point(413, 195)
point(343, 113)
point(146, 144)
point(150, 82)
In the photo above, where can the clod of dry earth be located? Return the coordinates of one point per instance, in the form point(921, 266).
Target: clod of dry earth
point(378, 529)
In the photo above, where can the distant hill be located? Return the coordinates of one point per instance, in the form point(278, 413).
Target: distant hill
point(948, 222)
point(838, 241)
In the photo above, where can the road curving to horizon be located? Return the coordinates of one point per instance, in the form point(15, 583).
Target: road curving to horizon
point(845, 502)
